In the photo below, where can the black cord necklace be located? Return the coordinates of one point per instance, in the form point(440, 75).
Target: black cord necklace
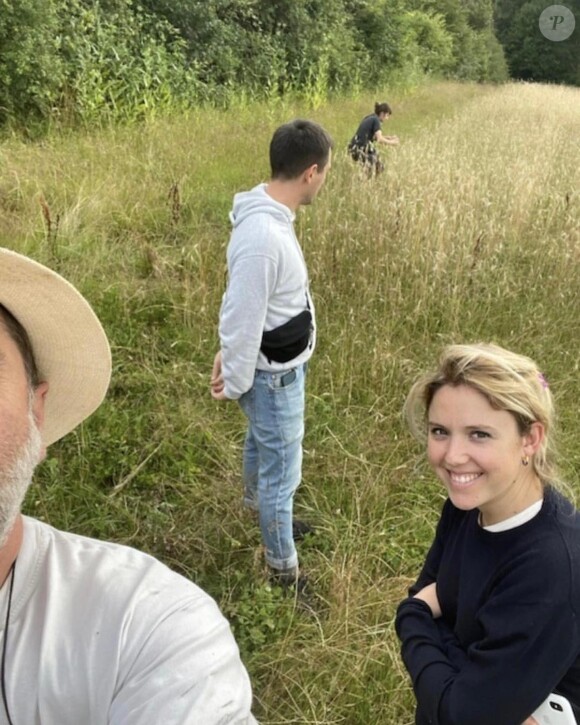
point(4, 644)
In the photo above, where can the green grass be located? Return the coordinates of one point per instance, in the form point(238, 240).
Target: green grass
point(473, 233)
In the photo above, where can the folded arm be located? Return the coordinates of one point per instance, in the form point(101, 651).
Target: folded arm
point(488, 682)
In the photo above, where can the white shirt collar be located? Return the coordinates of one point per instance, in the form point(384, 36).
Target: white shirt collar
point(517, 520)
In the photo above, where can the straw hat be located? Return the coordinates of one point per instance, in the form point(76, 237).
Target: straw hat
point(70, 347)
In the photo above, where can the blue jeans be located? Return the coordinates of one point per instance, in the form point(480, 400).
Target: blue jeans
point(274, 407)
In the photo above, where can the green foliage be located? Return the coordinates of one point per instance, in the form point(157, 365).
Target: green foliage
point(530, 55)
point(378, 26)
point(479, 14)
point(225, 38)
point(497, 68)
point(260, 615)
point(31, 68)
point(316, 41)
point(120, 62)
point(427, 42)
point(475, 53)
point(106, 60)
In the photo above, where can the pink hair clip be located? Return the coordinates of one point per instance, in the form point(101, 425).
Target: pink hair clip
point(543, 381)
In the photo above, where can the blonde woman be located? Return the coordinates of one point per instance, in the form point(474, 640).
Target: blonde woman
point(491, 627)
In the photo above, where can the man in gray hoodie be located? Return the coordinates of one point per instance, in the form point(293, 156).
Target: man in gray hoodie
point(268, 333)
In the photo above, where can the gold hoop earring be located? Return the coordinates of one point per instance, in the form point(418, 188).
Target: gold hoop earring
point(526, 460)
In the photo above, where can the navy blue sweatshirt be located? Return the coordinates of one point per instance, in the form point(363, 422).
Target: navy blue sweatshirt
point(365, 134)
point(510, 629)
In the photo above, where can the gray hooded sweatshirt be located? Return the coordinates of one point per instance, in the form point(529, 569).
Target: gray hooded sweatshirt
point(267, 286)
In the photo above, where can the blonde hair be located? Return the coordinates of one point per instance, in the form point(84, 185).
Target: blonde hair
point(508, 381)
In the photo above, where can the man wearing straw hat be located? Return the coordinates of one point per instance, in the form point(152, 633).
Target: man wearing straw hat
point(91, 632)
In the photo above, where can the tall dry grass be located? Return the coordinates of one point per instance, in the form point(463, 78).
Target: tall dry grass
point(472, 233)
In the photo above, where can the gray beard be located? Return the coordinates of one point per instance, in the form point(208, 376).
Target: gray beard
point(15, 480)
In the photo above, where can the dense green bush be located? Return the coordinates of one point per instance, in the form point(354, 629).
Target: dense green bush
point(529, 54)
point(120, 61)
point(93, 60)
point(476, 55)
point(427, 42)
point(31, 68)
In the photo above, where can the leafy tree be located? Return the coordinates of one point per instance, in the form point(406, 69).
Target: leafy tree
point(378, 25)
point(479, 14)
point(225, 40)
point(497, 68)
point(273, 44)
point(469, 22)
point(503, 14)
point(428, 44)
point(118, 61)
point(317, 39)
point(31, 70)
point(90, 59)
point(530, 55)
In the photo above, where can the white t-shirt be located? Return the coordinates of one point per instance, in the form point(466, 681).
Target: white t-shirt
point(102, 634)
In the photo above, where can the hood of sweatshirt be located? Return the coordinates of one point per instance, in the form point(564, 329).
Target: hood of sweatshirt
point(257, 201)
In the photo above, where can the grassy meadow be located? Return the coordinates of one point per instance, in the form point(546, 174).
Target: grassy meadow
point(472, 233)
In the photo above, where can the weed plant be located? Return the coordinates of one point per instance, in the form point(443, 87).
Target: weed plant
point(472, 233)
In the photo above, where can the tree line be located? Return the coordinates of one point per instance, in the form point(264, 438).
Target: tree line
point(530, 55)
point(87, 60)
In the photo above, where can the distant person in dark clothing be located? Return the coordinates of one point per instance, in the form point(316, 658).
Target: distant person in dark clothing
point(491, 627)
point(362, 144)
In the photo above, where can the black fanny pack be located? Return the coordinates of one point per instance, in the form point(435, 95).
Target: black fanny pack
point(287, 341)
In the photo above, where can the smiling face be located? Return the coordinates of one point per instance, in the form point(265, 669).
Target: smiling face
point(477, 453)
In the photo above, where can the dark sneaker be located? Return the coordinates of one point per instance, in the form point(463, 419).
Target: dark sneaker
point(289, 580)
point(297, 586)
point(300, 529)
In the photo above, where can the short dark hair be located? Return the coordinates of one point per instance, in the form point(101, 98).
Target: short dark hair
point(382, 108)
point(20, 337)
point(296, 146)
